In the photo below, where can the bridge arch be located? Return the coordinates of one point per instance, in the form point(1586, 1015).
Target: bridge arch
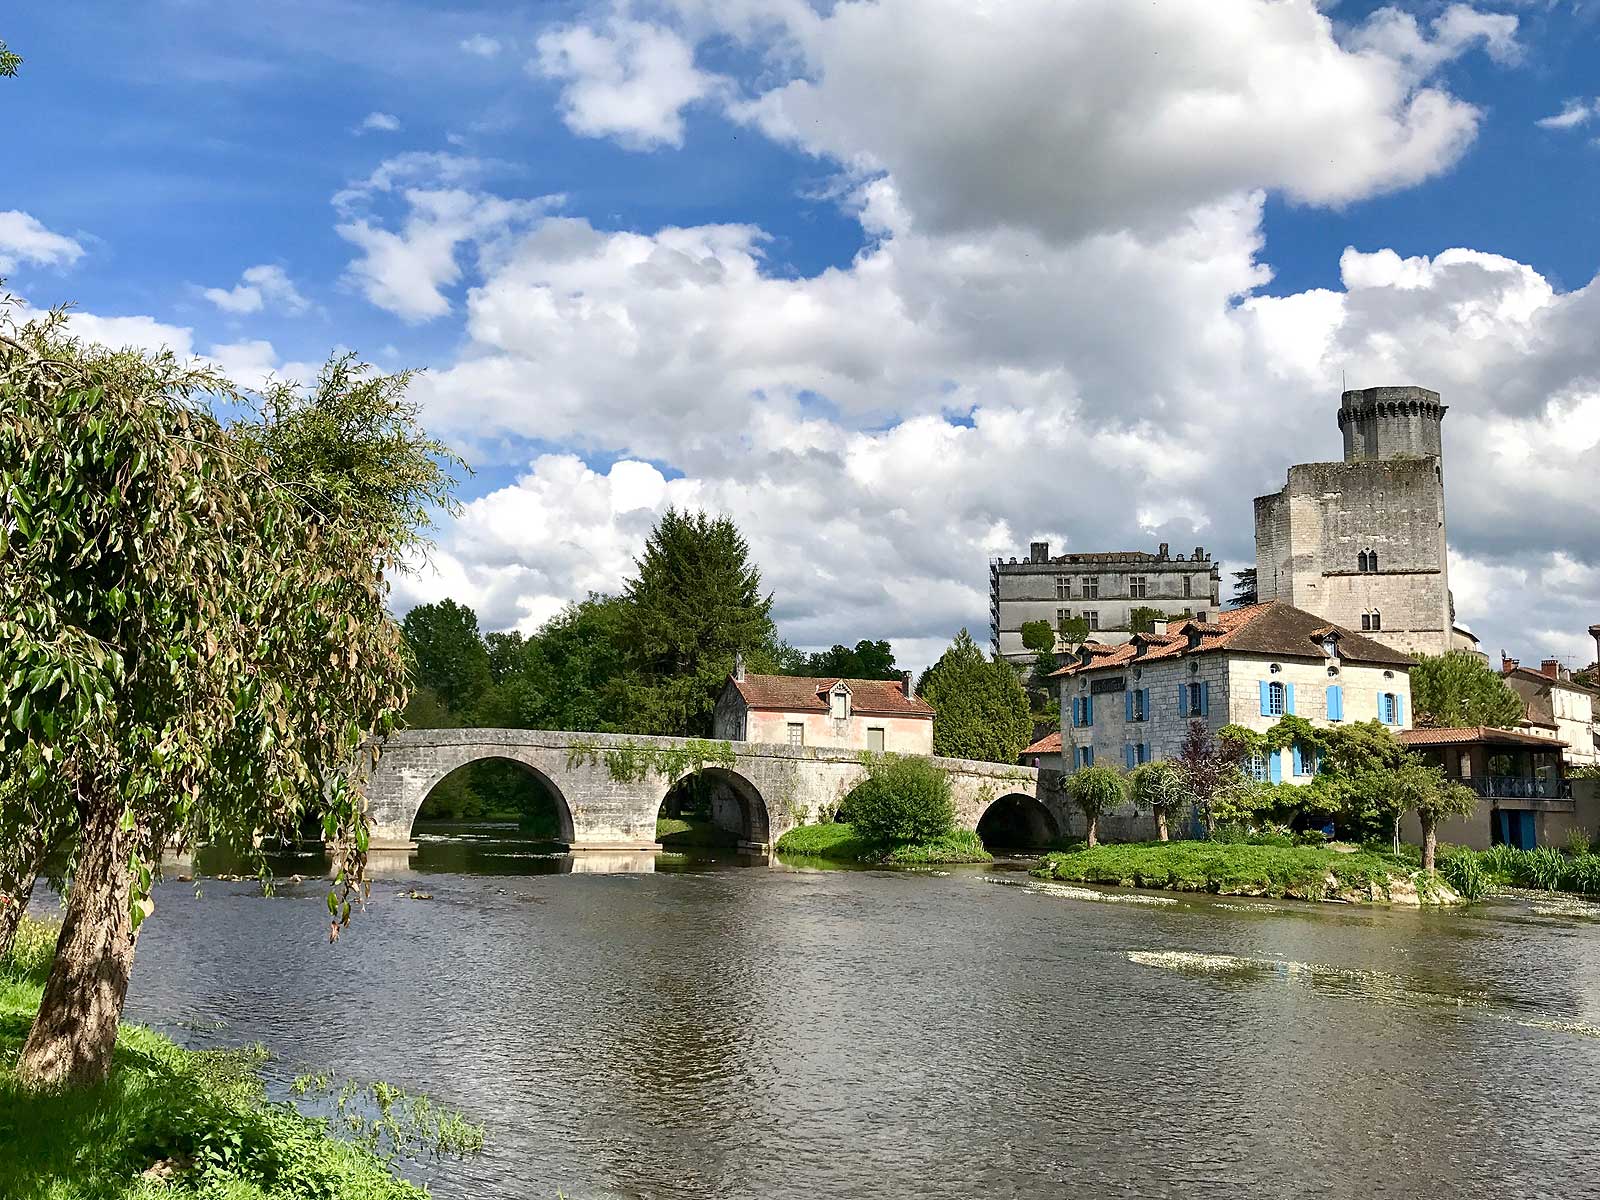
point(737, 804)
point(565, 831)
point(1018, 821)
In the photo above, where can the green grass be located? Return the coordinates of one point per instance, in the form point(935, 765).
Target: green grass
point(1301, 872)
point(839, 842)
point(1544, 868)
point(202, 1113)
point(676, 834)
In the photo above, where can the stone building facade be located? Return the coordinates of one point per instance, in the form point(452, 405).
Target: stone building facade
point(1557, 707)
point(1102, 588)
point(1134, 703)
point(875, 715)
point(1361, 543)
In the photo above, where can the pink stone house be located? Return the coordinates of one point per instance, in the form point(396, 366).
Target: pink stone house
point(877, 715)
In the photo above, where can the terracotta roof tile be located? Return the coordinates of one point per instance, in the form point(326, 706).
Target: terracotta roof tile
point(1050, 743)
point(1272, 628)
point(799, 693)
point(1476, 733)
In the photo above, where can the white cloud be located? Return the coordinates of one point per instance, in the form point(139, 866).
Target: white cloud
point(379, 122)
point(481, 46)
point(628, 80)
point(259, 287)
point(23, 239)
point(1573, 114)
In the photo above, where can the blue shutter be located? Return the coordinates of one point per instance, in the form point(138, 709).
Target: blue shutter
point(1399, 709)
point(1088, 710)
point(1275, 767)
point(1128, 756)
point(1127, 705)
point(1335, 703)
point(1266, 698)
point(1205, 699)
point(1288, 697)
point(1088, 756)
point(1183, 700)
point(1149, 713)
point(1383, 714)
point(1077, 710)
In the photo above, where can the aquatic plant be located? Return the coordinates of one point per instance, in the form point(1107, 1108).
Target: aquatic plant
point(1465, 873)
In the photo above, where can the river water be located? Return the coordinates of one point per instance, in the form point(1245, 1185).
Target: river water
point(736, 1028)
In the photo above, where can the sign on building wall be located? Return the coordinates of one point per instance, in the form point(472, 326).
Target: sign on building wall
point(1100, 686)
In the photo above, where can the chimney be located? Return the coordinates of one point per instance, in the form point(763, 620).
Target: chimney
point(1199, 552)
point(1507, 665)
point(1038, 552)
point(1550, 667)
point(1161, 552)
point(905, 683)
point(738, 666)
point(1158, 626)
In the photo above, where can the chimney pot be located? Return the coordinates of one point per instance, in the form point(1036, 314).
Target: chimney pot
point(1158, 626)
point(1550, 667)
point(1162, 552)
point(1039, 551)
point(738, 666)
point(906, 683)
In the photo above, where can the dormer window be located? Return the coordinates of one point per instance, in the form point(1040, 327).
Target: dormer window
point(839, 703)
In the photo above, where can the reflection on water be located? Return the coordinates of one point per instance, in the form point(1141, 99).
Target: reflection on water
point(707, 1029)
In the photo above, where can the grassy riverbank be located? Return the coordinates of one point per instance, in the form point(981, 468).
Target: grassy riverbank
point(1475, 873)
point(171, 1123)
point(1237, 869)
point(839, 842)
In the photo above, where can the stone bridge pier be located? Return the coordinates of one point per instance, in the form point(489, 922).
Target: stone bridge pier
point(608, 788)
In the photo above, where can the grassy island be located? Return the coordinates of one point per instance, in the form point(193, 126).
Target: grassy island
point(182, 1124)
point(1331, 872)
point(840, 842)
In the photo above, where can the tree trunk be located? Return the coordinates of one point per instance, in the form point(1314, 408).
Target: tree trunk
point(1161, 824)
point(1430, 842)
point(75, 1033)
point(1094, 821)
point(13, 903)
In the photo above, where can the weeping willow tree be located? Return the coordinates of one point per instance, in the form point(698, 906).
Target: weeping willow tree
point(193, 633)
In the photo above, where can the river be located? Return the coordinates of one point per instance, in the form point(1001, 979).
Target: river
point(723, 1028)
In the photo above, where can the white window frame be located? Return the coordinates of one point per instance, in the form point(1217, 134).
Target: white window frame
point(1277, 699)
point(797, 734)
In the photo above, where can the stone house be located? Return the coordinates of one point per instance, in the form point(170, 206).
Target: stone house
point(1556, 706)
point(1134, 703)
point(1045, 753)
point(875, 715)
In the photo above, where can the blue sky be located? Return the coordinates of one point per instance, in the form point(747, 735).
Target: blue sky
point(899, 285)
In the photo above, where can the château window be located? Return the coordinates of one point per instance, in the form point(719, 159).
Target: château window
point(1367, 560)
point(1258, 768)
point(1371, 621)
point(1063, 587)
point(1275, 700)
point(797, 733)
point(1137, 587)
point(1377, 620)
point(1091, 587)
point(1188, 586)
point(1063, 615)
point(1091, 618)
point(1361, 561)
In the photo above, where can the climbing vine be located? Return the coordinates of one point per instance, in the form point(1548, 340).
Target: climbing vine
point(634, 763)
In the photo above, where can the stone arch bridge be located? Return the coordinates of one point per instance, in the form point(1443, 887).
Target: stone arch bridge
point(608, 788)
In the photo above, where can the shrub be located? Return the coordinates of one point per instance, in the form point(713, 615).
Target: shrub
point(958, 846)
point(1583, 875)
point(1577, 842)
point(902, 800)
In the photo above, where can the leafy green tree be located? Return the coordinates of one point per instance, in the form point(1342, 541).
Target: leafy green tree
point(868, 660)
point(9, 62)
point(695, 601)
point(451, 659)
point(1073, 629)
point(1143, 619)
point(193, 623)
point(980, 710)
point(1038, 636)
point(1097, 791)
point(1458, 690)
point(505, 654)
point(902, 801)
point(1425, 791)
point(1160, 788)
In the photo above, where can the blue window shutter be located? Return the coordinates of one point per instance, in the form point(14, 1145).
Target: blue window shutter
point(1266, 700)
point(1127, 705)
point(1183, 700)
point(1275, 767)
point(1205, 699)
point(1295, 751)
point(1088, 710)
point(1335, 703)
point(1077, 710)
point(1128, 756)
point(1383, 714)
point(1288, 697)
point(1149, 712)
point(1088, 756)
point(1399, 709)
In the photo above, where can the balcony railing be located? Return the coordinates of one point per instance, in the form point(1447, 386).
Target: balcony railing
point(1520, 787)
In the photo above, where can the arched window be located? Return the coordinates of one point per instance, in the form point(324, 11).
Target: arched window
point(1377, 620)
point(1362, 559)
point(1366, 622)
point(1372, 560)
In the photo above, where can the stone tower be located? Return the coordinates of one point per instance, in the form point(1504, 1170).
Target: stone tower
point(1362, 542)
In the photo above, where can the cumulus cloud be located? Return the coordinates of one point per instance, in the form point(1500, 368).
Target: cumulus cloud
point(258, 288)
point(625, 79)
point(23, 239)
point(481, 45)
point(379, 122)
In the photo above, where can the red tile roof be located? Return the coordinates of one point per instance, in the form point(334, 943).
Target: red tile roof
point(1049, 744)
point(1272, 628)
point(1474, 735)
point(799, 693)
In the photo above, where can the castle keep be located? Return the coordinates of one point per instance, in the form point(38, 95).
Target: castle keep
point(1361, 543)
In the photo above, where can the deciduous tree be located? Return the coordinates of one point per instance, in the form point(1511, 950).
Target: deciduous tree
point(1425, 791)
point(1459, 690)
point(193, 628)
point(1097, 791)
point(450, 656)
point(1160, 788)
